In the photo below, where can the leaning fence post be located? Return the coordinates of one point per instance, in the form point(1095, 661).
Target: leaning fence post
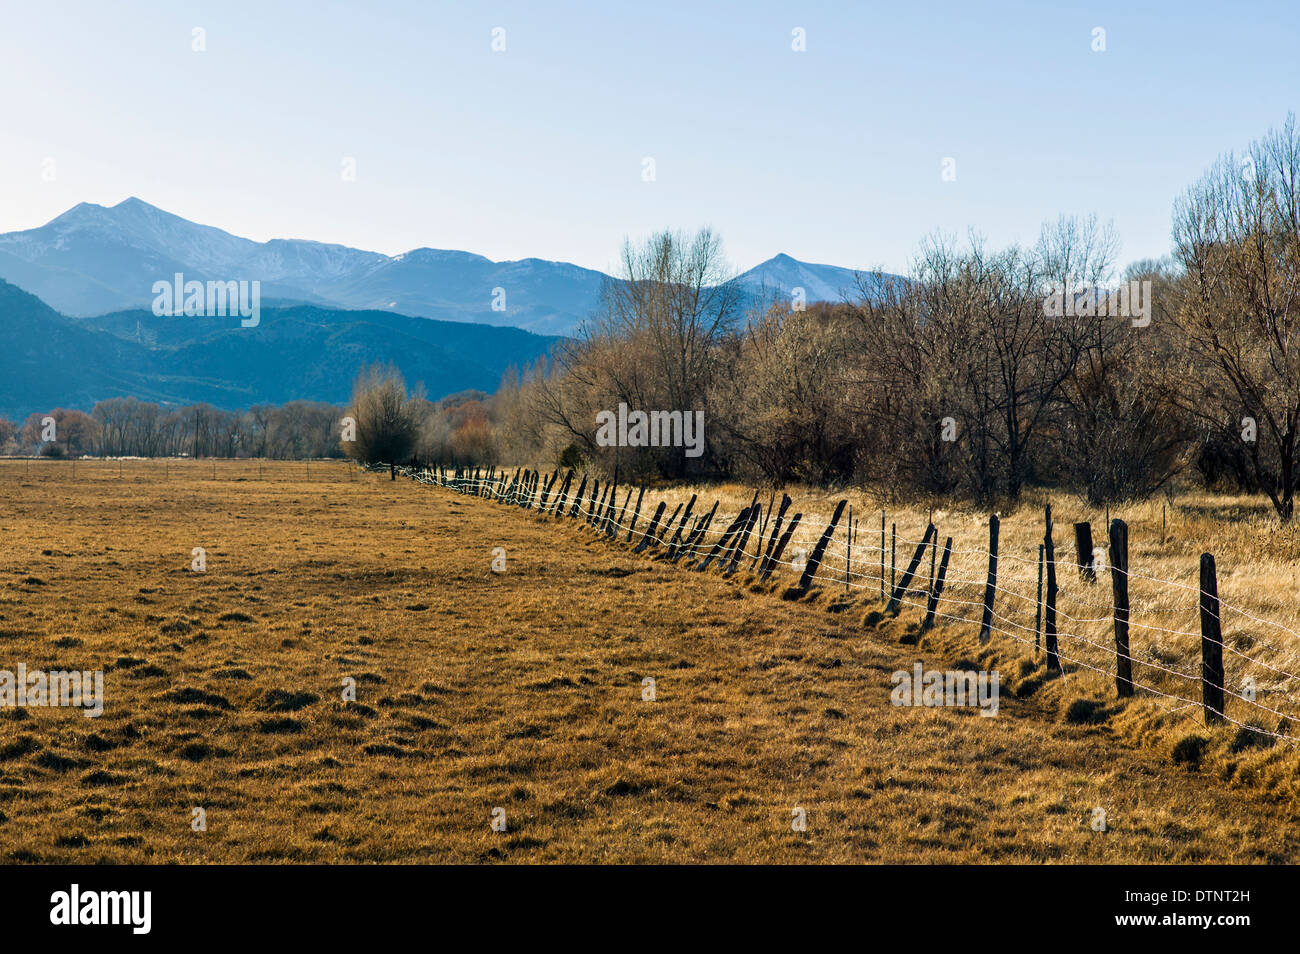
point(577, 498)
point(725, 539)
point(896, 598)
point(1119, 586)
point(636, 514)
point(991, 584)
point(936, 590)
point(677, 535)
point(762, 553)
point(819, 550)
point(668, 525)
point(1049, 622)
point(742, 539)
point(649, 531)
point(775, 557)
point(691, 544)
point(557, 508)
point(622, 514)
point(1211, 643)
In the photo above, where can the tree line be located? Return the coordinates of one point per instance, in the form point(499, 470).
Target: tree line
point(979, 373)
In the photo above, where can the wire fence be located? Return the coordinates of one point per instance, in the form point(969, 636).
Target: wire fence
point(1183, 629)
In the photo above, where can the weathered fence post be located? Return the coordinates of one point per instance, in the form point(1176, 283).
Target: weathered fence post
point(622, 514)
point(557, 508)
point(691, 544)
point(577, 498)
point(991, 583)
point(721, 545)
point(663, 534)
point(632, 526)
point(848, 553)
point(893, 557)
point(1211, 643)
point(1119, 586)
point(896, 598)
point(934, 547)
point(1049, 621)
point(765, 555)
point(762, 528)
point(1038, 603)
point(677, 536)
point(649, 531)
point(819, 550)
point(775, 557)
point(1083, 544)
point(742, 539)
point(882, 556)
point(936, 590)
point(608, 525)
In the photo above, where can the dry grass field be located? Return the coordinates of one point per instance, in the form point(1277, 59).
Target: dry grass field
point(523, 690)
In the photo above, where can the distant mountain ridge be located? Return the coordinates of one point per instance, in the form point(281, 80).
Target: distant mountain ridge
point(95, 259)
point(296, 352)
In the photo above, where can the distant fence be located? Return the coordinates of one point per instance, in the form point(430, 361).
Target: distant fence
point(955, 590)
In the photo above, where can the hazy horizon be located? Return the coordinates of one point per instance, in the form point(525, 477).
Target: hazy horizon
point(831, 154)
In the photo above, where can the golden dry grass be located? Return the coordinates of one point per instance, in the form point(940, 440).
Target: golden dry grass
point(523, 690)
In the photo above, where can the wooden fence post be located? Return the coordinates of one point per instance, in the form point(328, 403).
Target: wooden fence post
point(933, 549)
point(577, 498)
point(622, 514)
point(692, 542)
point(896, 598)
point(1038, 603)
point(775, 558)
point(742, 539)
point(677, 536)
point(882, 556)
point(721, 545)
point(991, 583)
point(1083, 544)
point(1119, 586)
point(649, 531)
point(848, 553)
point(558, 506)
point(762, 528)
point(819, 550)
point(936, 590)
point(1049, 621)
point(771, 540)
point(632, 526)
point(1211, 643)
point(893, 557)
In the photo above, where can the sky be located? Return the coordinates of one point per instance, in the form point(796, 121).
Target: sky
point(832, 154)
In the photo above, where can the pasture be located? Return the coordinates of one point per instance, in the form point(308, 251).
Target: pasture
point(524, 691)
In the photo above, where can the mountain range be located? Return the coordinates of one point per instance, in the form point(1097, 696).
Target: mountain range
point(306, 352)
point(96, 259)
point(77, 325)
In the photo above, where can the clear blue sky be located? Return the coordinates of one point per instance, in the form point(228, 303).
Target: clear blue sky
point(831, 155)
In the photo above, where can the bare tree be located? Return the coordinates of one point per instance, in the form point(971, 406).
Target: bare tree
point(1237, 236)
point(386, 418)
